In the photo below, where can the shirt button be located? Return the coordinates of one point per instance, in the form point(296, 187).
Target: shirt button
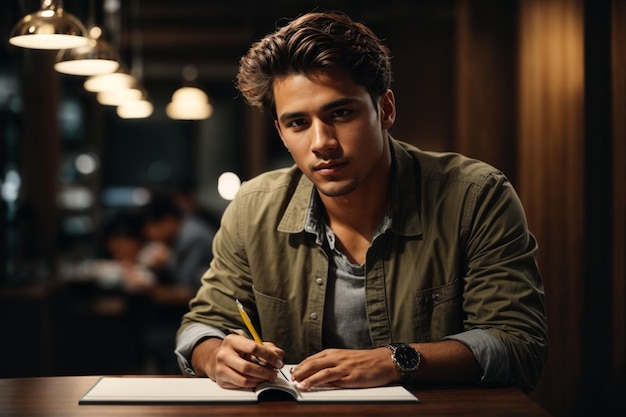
point(313, 316)
point(319, 281)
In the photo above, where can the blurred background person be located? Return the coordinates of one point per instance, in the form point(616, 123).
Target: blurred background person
point(179, 250)
point(123, 242)
point(178, 246)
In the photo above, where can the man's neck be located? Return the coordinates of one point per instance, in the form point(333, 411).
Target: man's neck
point(362, 214)
point(354, 218)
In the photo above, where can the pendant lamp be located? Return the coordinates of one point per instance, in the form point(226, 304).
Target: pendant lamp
point(189, 102)
point(138, 109)
point(113, 81)
point(95, 58)
point(49, 28)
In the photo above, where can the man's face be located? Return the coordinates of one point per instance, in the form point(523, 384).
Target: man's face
point(332, 129)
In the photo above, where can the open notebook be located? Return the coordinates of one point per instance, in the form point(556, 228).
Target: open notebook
point(159, 390)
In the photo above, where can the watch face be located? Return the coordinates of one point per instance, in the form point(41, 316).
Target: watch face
point(407, 357)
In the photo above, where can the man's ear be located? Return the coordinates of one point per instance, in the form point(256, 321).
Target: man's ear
point(387, 105)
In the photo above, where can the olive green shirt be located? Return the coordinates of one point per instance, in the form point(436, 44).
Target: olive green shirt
point(457, 260)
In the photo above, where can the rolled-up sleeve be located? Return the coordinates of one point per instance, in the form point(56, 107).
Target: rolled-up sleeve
point(187, 340)
point(490, 353)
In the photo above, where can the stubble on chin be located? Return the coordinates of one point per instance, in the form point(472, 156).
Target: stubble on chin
point(336, 190)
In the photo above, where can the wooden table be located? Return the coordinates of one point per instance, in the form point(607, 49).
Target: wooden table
point(58, 396)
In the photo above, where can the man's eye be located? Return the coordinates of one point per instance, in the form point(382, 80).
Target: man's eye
point(296, 123)
point(341, 113)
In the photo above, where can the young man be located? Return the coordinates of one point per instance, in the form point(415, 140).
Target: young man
point(369, 262)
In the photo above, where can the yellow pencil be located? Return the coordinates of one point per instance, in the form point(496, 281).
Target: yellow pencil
point(251, 329)
point(249, 325)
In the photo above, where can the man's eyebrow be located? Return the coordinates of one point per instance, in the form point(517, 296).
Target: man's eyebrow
point(290, 115)
point(338, 103)
point(326, 107)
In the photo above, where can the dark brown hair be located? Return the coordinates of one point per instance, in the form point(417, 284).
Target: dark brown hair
point(310, 43)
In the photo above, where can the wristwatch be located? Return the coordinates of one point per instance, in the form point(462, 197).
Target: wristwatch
point(406, 358)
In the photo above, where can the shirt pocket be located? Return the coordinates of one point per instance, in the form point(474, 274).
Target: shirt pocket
point(438, 311)
point(274, 320)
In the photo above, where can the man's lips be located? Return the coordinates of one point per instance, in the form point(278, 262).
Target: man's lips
point(329, 167)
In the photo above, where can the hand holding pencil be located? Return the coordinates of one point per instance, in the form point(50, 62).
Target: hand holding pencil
point(252, 330)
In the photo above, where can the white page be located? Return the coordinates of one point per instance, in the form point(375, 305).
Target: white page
point(117, 389)
point(190, 390)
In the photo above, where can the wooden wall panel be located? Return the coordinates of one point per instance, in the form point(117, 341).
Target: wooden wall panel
point(486, 119)
point(618, 375)
point(596, 322)
point(423, 61)
point(551, 175)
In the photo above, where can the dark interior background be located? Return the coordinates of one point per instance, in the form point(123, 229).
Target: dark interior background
point(535, 87)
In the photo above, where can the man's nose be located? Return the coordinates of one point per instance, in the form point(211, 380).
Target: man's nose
point(323, 137)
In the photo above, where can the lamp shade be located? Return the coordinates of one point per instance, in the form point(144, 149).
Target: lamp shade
point(138, 109)
point(113, 81)
point(49, 28)
point(189, 103)
point(119, 96)
point(97, 57)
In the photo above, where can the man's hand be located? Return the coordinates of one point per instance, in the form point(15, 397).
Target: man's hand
point(448, 361)
point(236, 361)
point(346, 368)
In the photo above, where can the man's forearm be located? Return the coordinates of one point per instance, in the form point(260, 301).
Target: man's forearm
point(448, 361)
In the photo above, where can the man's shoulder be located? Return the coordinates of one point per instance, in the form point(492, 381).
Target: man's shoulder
point(449, 166)
point(274, 191)
point(271, 181)
point(266, 198)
